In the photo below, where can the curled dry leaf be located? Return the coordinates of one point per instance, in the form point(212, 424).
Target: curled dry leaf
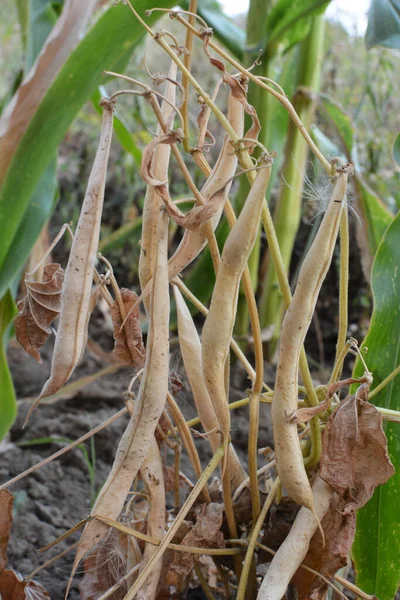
point(354, 461)
point(205, 534)
point(6, 502)
point(303, 415)
point(38, 309)
point(12, 584)
point(13, 587)
point(146, 172)
point(129, 348)
point(240, 93)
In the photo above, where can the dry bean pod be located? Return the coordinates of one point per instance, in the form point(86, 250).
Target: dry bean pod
point(295, 546)
point(139, 434)
point(289, 458)
point(77, 288)
point(152, 201)
point(153, 478)
point(218, 327)
point(190, 345)
point(193, 242)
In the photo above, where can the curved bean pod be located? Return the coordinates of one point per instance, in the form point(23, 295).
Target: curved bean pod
point(77, 288)
point(193, 242)
point(218, 327)
point(295, 546)
point(152, 201)
point(289, 458)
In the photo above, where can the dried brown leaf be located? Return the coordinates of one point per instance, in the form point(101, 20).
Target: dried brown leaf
point(6, 501)
point(13, 587)
point(129, 348)
point(205, 534)
point(302, 415)
point(104, 567)
point(12, 584)
point(354, 461)
point(38, 309)
point(171, 137)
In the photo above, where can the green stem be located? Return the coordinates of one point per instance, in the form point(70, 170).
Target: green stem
point(384, 383)
point(241, 593)
point(288, 206)
point(255, 40)
point(343, 285)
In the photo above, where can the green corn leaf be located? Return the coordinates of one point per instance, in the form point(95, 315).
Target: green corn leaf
point(39, 209)
point(289, 22)
point(8, 403)
point(377, 545)
point(114, 35)
point(396, 150)
point(383, 24)
point(41, 18)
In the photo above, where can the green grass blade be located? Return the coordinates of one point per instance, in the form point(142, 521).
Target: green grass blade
point(8, 403)
point(376, 548)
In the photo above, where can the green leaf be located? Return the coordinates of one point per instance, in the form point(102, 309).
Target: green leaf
point(396, 150)
point(289, 22)
point(375, 215)
point(327, 147)
point(227, 32)
point(114, 35)
point(38, 212)
point(377, 545)
point(383, 24)
point(22, 10)
point(8, 403)
point(41, 18)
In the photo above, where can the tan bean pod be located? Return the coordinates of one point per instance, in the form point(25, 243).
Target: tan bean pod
point(289, 458)
point(295, 546)
point(77, 288)
point(193, 242)
point(218, 327)
point(152, 201)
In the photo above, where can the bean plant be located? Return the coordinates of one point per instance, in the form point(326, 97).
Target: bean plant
point(330, 453)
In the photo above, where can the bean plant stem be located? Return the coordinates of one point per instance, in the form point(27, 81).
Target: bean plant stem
point(343, 285)
point(241, 593)
point(187, 59)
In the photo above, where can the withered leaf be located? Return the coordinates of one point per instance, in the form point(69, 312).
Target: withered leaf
point(38, 309)
point(13, 587)
point(104, 567)
point(204, 534)
point(6, 502)
point(354, 461)
point(129, 348)
point(302, 415)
